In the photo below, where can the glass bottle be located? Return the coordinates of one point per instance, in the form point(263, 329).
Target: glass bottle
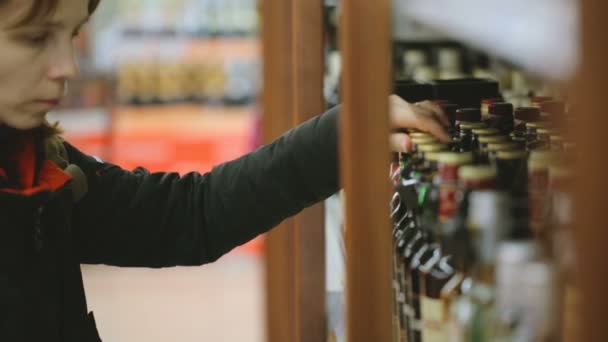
point(522, 116)
point(538, 191)
point(500, 116)
point(449, 163)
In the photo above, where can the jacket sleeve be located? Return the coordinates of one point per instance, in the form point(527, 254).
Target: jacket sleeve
point(163, 219)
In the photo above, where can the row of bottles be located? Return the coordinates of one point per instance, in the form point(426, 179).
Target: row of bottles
point(233, 82)
point(482, 241)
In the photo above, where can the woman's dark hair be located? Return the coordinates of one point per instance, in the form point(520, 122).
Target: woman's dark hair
point(39, 9)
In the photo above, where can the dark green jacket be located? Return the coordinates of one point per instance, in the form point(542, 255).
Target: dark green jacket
point(142, 219)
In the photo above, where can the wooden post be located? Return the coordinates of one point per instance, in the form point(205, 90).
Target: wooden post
point(295, 253)
point(365, 44)
point(592, 182)
point(277, 100)
point(309, 233)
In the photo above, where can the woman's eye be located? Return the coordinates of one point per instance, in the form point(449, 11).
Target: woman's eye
point(37, 39)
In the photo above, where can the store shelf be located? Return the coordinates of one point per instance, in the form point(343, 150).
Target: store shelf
point(539, 35)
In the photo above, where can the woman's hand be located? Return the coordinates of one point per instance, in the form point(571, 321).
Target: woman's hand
point(425, 116)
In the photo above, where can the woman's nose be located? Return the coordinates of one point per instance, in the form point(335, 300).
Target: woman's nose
point(63, 66)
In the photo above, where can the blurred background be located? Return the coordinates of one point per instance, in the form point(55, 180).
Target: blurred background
point(171, 85)
point(175, 85)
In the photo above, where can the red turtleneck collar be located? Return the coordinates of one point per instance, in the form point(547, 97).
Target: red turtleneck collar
point(23, 170)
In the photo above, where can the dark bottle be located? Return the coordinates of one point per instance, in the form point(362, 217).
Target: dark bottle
point(522, 116)
point(538, 191)
point(512, 171)
point(465, 141)
point(482, 132)
point(483, 143)
point(450, 111)
point(494, 148)
point(467, 115)
point(427, 254)
point(485, 105)
point(500, 116)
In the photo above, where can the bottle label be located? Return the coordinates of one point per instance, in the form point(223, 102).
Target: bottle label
point(433, 320)
point(447, 201)
point(538, 198)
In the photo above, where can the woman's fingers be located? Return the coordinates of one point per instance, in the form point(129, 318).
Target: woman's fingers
point(406, 115)
point(436, 111)
point(400, 142)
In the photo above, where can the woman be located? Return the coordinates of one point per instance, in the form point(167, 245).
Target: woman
point(51, 220)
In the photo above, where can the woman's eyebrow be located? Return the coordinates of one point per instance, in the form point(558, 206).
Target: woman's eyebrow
point(60, 24)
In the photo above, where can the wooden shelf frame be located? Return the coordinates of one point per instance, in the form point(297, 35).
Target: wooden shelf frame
point(292, 88)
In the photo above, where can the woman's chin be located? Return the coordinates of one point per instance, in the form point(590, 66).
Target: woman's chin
point(25, 122)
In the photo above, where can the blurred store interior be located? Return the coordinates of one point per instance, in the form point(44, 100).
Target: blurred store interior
point(171, 85)
point(176, 85)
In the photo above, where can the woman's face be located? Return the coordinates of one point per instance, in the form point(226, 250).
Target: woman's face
point(36, 60)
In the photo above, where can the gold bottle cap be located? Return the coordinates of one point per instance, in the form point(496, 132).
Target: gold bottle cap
point(472, 125)
point(476, 172)
point(511, 155)
point(485, 131)
point(487, 139)
point(432, 147)
point(432, 156)
point(540, 160)
point(559, 172)
point(546, 131)
point(537, 125)
point(504, 146)
point(456, 158)
point(557, 138)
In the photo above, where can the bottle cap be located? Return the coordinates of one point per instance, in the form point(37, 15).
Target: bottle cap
point(485, 131)
point(476, 172)
point(556, 138)
point(537, 125)
point(468, 114)
point(510, 155)
point(501, 109)
point(491, 100)
point(540, 160)
point(540, 99)
point(527, 114)
point(455, 158)
point(432, 156)
point(545, 131)
point(503, 146)
point(487, 139)
point(432, 147)
point(557, 172)
point(472, 125)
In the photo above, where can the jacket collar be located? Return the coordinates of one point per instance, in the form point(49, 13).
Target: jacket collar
point(24, 169)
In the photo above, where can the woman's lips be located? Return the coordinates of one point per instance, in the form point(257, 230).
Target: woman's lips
point(50, 103)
